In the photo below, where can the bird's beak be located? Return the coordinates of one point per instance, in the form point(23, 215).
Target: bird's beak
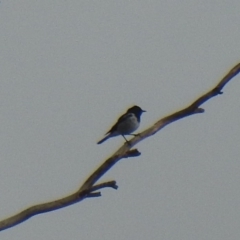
point(143, 111)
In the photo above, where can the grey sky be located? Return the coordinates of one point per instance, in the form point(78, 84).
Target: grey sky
point(70, 68)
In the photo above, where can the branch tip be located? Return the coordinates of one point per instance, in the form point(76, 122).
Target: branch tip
point(132, 153)
point(199, 110)
point(111, 184)
point(94, 194)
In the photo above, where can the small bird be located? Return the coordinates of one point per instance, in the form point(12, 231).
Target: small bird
point(126, 124)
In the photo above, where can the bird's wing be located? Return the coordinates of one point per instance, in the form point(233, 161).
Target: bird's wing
point(120, 120)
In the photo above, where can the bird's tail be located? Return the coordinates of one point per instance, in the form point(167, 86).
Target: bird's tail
point(103, 140)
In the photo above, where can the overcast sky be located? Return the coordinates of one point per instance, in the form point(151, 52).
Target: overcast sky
point(70, 68)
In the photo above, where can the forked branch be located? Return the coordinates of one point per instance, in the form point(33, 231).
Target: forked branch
point(89, 189)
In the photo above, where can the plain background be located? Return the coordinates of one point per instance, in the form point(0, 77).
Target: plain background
point(70, 68)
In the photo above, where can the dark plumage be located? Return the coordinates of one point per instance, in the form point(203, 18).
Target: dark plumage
point(126, 124)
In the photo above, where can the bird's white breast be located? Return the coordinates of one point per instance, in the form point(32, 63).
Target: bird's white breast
point(129, 125)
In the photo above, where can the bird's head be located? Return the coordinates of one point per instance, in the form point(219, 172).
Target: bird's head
point(136, 110)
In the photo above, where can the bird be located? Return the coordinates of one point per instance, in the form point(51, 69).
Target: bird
point(126, 124)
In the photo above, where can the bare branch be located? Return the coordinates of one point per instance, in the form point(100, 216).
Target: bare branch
point(54, 205)
point(190, 110)
point(41, 208)
point(95, 194)
point(111, 184)
point(87, 190)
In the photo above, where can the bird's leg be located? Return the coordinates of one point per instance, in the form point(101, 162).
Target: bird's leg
point(126, 140)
